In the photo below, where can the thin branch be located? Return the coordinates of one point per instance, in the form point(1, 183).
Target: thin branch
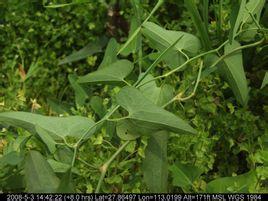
point(106, 165)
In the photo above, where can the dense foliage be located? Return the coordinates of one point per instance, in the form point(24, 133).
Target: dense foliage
point(134, 96)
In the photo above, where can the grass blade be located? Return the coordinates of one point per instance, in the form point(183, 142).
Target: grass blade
point(199, 24)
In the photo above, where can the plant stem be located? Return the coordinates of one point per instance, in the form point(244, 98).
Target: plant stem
point(179, 98)
point(235, 50)
point(129, 40)
point(79, 142)
point(137, 31)
point(106, 165)
point(158, 59)
point(179, 67)
point(87, 164)
point(159, 3)
point(204, 54)
point(74, 156)
point(196, 84)
point(118, 119)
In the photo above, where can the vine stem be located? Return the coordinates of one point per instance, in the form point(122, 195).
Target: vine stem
point(179, 67)
point(179, 96)
point(106, 165)
point(150, 68)
point(204, 54)
point(195, 87)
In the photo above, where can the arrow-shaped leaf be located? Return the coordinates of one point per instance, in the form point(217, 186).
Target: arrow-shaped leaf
point(57, 127)
point(146, 113)
point(233, 71)
point(155, 169)
point(114, 73)
point(160, 39)
point(155, 164)
point(39, 175)
point(236, 19)
point(110, 55)
point(88, 50)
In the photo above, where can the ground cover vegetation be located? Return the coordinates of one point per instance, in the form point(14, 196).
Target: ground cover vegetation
point(134, 96)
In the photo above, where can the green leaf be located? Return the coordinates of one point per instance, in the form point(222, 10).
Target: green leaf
point(261, 157)
point(110, 55)
point(155, 169)
point(155, 163)
point(64, 154)
point(199, 24)
point(184, 175)
point(205, 13)
point(34, 67)
point(135, 44)
point(254, 7)
point(39, 175)
point(18, 145)
point(209, 60)
point(265, 80)
point(159, 95)
point(238, 184)
point(57, 127)
point(96, 104)
point(58, 167)
point(129, 41)
point(80, 93)
point(147, 114)
point(88, 50)
point(126, 130)
point(245, 20)
point(11, 158)
point(160, 39)
point(58, 107)
point(115, 73)
point(46, 138)
point(236, 19)
point(234, 73)
point(15, 186)
point(66, 184)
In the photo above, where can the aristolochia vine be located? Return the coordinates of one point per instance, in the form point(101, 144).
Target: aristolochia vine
point(140, 102)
